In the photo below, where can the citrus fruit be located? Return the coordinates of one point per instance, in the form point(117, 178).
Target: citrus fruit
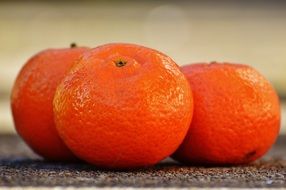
point(236, 115)
point(123, 106)
point(32, 97)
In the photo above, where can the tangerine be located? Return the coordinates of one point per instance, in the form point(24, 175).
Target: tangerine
point(123, 106)
point(236, 115)
point(31, 101)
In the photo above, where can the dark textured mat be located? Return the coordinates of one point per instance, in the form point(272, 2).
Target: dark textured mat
point(20, 167)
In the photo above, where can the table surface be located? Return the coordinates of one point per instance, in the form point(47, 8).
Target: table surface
point(20, 167)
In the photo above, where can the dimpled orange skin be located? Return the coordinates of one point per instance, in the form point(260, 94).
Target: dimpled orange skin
point(123, 106)
point(31, 101)
point(236, 115)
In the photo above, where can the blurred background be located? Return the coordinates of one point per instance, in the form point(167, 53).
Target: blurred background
point(250, 32)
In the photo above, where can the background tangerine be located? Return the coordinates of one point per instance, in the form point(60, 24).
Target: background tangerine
point(236, 115)
point(31, 101)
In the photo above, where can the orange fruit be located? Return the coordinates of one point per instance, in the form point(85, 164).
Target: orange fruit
point(123, 106)
point(236, 115)
point(31, 101)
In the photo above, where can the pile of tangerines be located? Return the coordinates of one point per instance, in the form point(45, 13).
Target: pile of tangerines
point(128, 106)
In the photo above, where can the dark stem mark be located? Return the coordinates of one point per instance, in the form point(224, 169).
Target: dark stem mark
point(73, 45)
point(120, 63)
point(250, 154)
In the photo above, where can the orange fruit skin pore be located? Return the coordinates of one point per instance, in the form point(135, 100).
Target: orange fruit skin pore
point(32, 97)
point(236, 115)
point(123, 106)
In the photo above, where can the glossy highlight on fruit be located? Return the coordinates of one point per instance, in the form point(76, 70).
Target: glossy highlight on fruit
point(123, 106)
point(236, 115)
point(31, 101)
